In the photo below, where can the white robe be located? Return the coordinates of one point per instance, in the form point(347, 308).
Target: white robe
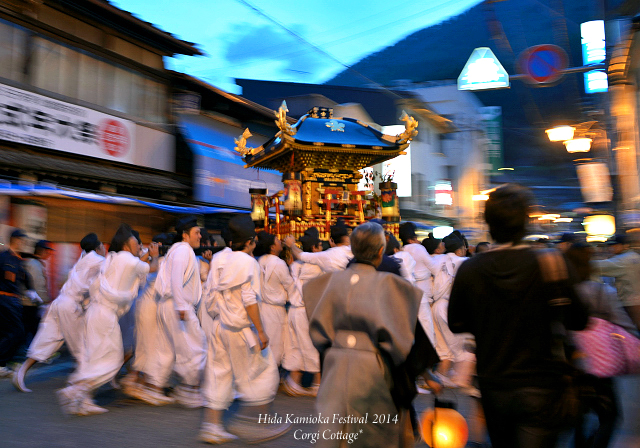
point(301, 355)
point(334, 259)
point(277, 287)
point(236, 366)
point(407, 266)
point(111, 296)
point(150, 340)
point(426, 266)
point(179, 289)
point(449, 346)
point(64, 320)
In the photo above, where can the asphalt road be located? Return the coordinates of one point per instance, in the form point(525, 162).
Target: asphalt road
point(34, 420)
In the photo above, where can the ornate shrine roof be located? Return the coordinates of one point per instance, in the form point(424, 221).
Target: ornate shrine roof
point(321, 142)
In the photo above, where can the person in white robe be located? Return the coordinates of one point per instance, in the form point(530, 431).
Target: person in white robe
point(407, 263)
point(64, 320)
point(336, 258)
point(426, 267)
point(277, 287)
point(301, 355)
point(150, 340)
point(242, 364)
point(449, 346)
point(179, 289)
point(112, 293)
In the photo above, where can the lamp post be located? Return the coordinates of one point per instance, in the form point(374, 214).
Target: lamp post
point(578, 139)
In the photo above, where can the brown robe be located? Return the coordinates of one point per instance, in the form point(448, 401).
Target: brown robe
point(362, 322)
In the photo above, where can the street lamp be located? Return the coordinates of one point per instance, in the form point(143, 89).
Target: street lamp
point(560, 133)
point(578, 145)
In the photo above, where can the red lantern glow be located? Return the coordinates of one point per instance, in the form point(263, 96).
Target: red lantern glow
point(445, 428)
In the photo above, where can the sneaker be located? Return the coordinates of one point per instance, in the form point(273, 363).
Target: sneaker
point(67, 400)
point(444, 380)
point(471, 391)
point(5, 372)
point(88, 407)
point(313, 390)
point(422, 388)
point(251, 432)
point(293, 389)
point(188, 397)
point(215, 434)
point(147, 394)
point(18, 380)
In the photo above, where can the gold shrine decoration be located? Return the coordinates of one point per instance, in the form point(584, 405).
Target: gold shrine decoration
point(241, 144)
point(281, 122)
point(410, 128)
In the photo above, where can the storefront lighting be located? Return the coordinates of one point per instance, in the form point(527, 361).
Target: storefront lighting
point(441, 231)
point(599, 225)
point(578, 145)
point(563, 220)
point(548, 217)
point(479, 197)
point(560, 133)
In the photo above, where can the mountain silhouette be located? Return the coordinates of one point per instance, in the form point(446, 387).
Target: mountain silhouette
point(440, 52)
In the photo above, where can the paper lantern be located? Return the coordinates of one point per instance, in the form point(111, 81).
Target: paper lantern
point(444, 428)
point(259, 202)
point(292, 194)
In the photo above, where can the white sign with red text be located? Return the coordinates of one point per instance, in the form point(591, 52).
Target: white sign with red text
point(37, 120)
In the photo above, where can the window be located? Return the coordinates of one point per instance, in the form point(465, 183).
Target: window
point(13, 47)
point(76, 74)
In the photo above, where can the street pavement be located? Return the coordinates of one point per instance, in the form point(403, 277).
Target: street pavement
point(34, 420)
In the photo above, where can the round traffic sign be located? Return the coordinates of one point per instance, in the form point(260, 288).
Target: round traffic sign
point(543, 64)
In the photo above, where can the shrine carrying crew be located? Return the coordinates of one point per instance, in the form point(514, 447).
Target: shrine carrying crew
point(277, 288)
point(150, 340)
point(243, 365)
point(111, 294)
point(179, 289)
point(333, 259)
point(64, 320)
point(300, 355)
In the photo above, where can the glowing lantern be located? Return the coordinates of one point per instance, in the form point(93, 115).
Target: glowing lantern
point(560, 133)
point(258, 204)
point(444, 428)
point(292, 194)
point(578, 145)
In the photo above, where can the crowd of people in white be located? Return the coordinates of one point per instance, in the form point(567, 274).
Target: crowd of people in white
point(227, 323)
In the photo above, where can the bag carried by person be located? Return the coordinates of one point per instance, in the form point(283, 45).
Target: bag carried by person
point(609, 350)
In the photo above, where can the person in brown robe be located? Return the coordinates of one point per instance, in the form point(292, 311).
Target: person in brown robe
point(363, 323)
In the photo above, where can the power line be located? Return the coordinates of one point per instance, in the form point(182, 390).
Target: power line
point(364, 32)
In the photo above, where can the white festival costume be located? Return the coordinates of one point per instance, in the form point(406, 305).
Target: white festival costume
point(111, 296)
point(277, 287)
point(334, 259)
point(301, 355)
point(425, 268)
point(407, 266)
point(449, 346)
point(64, 321)
point(236, 363)
point(178, 288)
point(150, 340)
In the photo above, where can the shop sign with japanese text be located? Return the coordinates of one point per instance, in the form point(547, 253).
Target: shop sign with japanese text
point(37, 120)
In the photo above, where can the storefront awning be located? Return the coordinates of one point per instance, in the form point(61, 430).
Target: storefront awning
point(11, 189)
point(84, 170)
point(219, 175)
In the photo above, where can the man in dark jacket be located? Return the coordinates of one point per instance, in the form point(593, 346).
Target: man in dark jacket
point(501, 297)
